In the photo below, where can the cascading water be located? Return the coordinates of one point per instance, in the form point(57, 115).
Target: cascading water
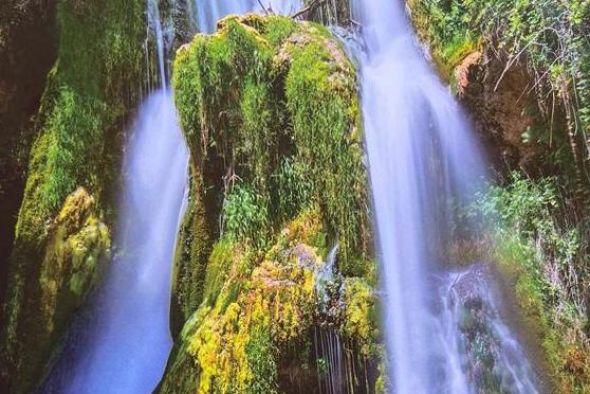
point(130, 341)
point(127, 338)
point(422, 162)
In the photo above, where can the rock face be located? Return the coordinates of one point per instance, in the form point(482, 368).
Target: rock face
point(62, 232)
point(501, 105)
point(27, 52)
point(270, 112)
point(520, 119)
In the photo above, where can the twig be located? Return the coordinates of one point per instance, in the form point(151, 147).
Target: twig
point(263, 7)
point(311, 7)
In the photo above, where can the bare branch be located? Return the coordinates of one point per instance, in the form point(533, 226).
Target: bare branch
point(310, 8)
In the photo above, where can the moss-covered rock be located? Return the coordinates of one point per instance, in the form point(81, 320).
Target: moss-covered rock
point(270, 111)
point(59, 240)
point(271, 115)
point(258, 317)
point(27, 52)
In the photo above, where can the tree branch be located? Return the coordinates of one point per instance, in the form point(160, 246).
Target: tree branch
point(311, 7)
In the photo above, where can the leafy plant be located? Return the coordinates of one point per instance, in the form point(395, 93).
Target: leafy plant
point(245, 214)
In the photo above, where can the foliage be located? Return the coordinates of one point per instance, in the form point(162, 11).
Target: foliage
point(293, 186)
point(261, 357)
point(550, 37)
point(545, 252)
point(245, 214)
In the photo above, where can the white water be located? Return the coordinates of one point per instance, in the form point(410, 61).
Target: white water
point(422, 159)
point(470, 302)
point(130, 341)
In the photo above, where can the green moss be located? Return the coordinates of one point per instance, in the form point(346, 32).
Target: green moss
point(195, 240)
point(83, 112)
point(330, 140)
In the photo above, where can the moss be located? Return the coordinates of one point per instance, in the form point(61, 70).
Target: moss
point(77, 243)
point(360, 322)
point(331, 141)
point(271, 114)
point(83, 111)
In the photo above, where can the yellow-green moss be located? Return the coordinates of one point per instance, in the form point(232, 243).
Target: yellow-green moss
point(360, 321)
point(264, 303)
point(270, 111)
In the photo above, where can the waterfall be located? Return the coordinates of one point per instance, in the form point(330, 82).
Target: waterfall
point(207, 13)
point(423, 161)
point(123, 344)
point(130, 338)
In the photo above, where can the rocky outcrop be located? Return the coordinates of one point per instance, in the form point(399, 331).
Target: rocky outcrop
point(27, 52)
point(501, 105)
point(271, 115)
point(60, 240)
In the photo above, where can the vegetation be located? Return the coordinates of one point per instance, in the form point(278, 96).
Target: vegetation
point(545, 256)
point(550, 38)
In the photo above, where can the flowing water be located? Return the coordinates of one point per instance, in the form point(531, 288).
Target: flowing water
point(130, 339)
point(123, 344)
point(206, 13)
point(423, 161)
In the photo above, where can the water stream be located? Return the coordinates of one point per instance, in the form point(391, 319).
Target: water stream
point(423, 161)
